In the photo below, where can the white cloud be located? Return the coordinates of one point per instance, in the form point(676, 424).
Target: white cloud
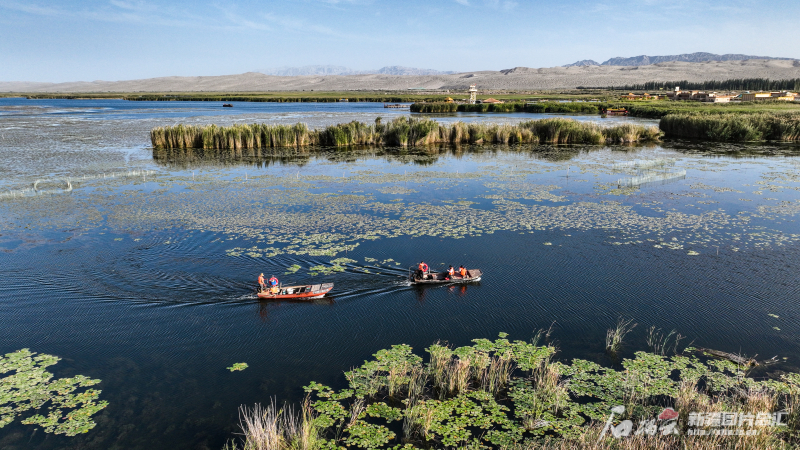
point(462, 2)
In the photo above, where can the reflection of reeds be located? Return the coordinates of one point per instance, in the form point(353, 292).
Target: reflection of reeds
point(402, 131)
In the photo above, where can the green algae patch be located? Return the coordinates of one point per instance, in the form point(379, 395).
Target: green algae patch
point(237, 367)
point(62, 405)
point(292, 269)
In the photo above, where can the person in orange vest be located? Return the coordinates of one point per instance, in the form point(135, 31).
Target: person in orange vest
point(462, 271)
point(261, 283)
point(450, 273)
point(422, 269)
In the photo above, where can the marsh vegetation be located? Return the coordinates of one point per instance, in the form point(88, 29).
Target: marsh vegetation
point(515, 394)
point(400, 132)
point(733, 127)
point(541, 107)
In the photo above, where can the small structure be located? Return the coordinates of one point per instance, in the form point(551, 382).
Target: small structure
point(473, 94)
point(491, 100)
point(449, 100)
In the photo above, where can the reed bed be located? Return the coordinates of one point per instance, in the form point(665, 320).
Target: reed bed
point(402, 132)
point(733, 127)
point(541, 107)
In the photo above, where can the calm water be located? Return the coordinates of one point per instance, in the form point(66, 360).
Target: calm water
point(142, 275)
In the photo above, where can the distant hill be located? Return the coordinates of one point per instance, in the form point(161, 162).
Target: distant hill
point(585, 62)
point(341, 70)
point(644, 60)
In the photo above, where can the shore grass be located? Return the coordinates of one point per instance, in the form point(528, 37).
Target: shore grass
point(402, 132)
point(513, 395)
point(733, 127)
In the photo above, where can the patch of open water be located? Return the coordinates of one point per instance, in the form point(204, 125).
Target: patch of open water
point(146, 281)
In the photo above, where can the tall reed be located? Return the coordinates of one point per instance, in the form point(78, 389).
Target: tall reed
point(732, 127)
point(401, 132)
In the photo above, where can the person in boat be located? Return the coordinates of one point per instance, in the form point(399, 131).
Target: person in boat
point(422, 270)
point(450, 272)
point(273, 283)
point(462, 271)
point(261, 284)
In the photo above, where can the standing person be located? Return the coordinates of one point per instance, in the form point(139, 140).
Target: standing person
point(261, 283)
point(423, 269)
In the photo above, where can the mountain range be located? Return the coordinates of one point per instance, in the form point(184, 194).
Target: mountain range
point(644, 60)
point(341, 70)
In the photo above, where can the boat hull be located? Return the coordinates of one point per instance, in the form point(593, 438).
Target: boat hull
point(306, 292)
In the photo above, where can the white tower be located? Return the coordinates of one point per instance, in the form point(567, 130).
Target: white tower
point(473, 94)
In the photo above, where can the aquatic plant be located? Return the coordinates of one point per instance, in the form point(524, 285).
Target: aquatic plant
point(541, 404)
point(237, 366)
point(62, 406)
point(659, 343)
point(614, 336)
point(401, 131)
point(270, 428)
point(732, 127)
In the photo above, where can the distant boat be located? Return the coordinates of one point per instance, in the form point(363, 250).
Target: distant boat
point(443, 277)
point(306, 292)
point(227, 105)
point(615, 111)
point(343, 100)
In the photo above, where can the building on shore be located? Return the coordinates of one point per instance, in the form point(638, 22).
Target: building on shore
point(756, 96)
point(491, 100)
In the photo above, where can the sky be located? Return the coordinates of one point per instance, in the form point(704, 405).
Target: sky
point(86, 40)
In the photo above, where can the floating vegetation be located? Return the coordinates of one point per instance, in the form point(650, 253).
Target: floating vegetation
point(401, 131)
point(292, 269)
point(237, 366)
point(336, 266)
point(67, 184)
point(773, 316)
point(62, 406)
point(511, 394)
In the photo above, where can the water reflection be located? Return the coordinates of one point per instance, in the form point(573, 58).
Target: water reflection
point(420, 156)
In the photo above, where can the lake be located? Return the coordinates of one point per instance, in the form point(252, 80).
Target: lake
point(140, 271)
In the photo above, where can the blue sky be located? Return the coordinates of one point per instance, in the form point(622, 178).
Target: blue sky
point(86, 40)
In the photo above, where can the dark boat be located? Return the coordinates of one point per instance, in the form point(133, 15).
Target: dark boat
point(443, 277)
point(227, 105)
point(309, 291)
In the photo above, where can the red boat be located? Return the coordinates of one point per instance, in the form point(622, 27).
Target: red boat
point(308, 291)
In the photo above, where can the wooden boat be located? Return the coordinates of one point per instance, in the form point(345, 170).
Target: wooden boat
point(616, 112)
point(443, 277)
point(308, 291)
point(227, 105)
